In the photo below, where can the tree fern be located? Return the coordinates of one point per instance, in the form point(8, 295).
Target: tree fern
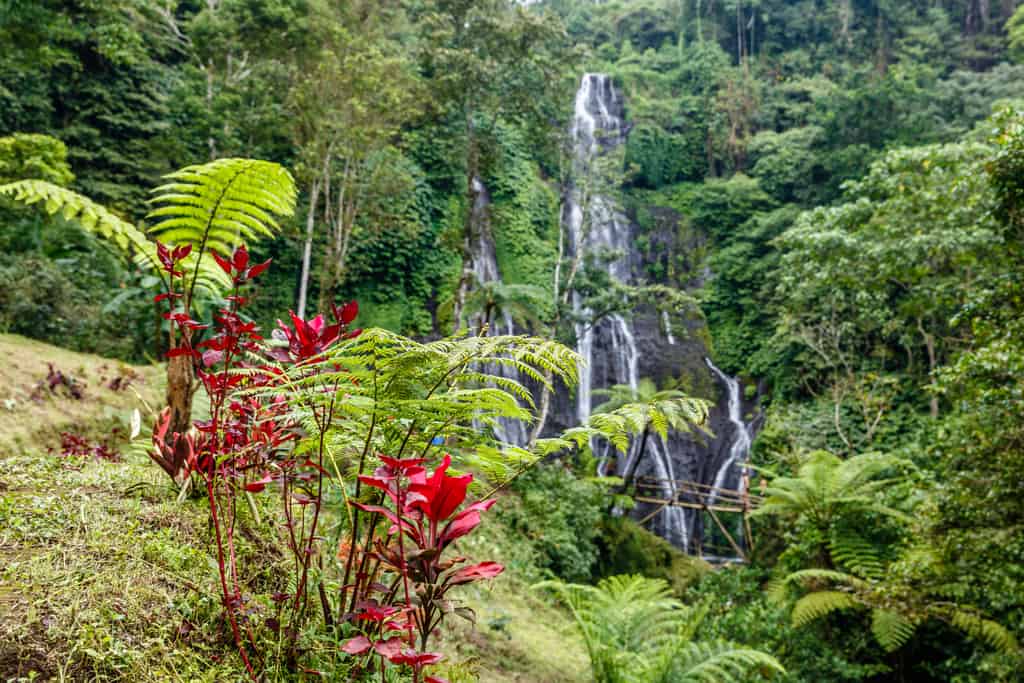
point(826, 487)
point(100, 221)
point(894, 620)
point(222, 204)
point(630, 413)
point(636, 632)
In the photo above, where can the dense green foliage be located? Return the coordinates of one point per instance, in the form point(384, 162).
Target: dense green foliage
point(839, 185)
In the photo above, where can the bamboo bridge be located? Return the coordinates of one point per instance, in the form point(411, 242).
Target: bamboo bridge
point(714, 501)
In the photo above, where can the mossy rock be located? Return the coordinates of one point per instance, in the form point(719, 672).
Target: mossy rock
point(628, 548)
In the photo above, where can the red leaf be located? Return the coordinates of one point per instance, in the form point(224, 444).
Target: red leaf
point(477, 572)
point(348, 313)
point(388, 648)
point(240, 259)
point(357, 646)
point(460, 526)
point(321, 470)
point(259, 484)
point(224, 264)
point(181, 252)
point(435, 679)
point(182, 351)
point(258, 269)
point(443, 493)
point(379, 510)
point(212, 356)
point(403, 465)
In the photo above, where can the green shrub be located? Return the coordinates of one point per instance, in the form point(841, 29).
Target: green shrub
point(559, 515)
point(627, 548)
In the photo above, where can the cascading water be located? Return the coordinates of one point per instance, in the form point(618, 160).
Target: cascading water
point(730, 472)
point(597, 227)
point(485, 269)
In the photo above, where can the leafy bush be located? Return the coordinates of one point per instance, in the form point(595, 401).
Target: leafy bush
point(45, 299)
point(559, 515)
point(627, 548)
point(738, 609)
point(636, 632)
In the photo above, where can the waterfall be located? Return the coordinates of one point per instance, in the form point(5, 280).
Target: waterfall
point(597, 226)
point(485, 269)
point(667, 325)
point(739, 448)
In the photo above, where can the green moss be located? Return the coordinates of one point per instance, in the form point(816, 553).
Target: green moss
point(628, 548)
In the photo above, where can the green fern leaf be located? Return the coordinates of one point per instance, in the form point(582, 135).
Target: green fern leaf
point(819, 604)
point(891, 629)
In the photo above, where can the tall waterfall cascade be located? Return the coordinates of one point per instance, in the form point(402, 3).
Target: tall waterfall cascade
point(597, 226)
point(610, 347)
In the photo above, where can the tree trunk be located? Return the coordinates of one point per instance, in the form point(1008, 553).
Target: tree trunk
point(468, 229)
point(929, 343)
point(180, 388)
point(627, 476)
point(307, 248)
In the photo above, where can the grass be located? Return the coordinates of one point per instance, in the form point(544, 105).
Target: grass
point(105, 576)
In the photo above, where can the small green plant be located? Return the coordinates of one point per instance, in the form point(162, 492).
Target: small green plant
point(636, 632)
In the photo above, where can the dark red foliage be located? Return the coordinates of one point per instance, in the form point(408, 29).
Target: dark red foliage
point(77, 446)
point(58, 383)
point(425, 519)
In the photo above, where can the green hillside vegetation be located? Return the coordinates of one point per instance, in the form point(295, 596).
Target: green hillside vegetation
point(830, 193)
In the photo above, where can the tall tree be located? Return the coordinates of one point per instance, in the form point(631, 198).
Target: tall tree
point(349, 103)
point(485, 59)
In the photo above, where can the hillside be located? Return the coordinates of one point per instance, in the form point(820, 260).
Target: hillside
point(104, 574)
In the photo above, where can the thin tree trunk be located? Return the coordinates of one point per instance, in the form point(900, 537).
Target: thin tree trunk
point(627, 476)
point(307, 247)
point(929, 342)
point(468, 233)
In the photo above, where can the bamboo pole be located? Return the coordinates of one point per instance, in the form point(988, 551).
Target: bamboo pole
point(728, 536)
point(684, 504)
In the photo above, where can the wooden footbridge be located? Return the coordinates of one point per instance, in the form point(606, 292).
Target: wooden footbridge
point(712, 500)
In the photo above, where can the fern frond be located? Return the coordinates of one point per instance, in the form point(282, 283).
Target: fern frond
point(718, 662)
point(804, 576)
point(891, 629)
point(98, 220)
point(985, 630)
point(222, 204)
point(856, 554)
point(819, 604)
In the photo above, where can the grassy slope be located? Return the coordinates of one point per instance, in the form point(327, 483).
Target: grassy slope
point(102, 576)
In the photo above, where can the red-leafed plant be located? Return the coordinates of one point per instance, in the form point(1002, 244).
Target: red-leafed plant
point(247, 445)
point(425, 520)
